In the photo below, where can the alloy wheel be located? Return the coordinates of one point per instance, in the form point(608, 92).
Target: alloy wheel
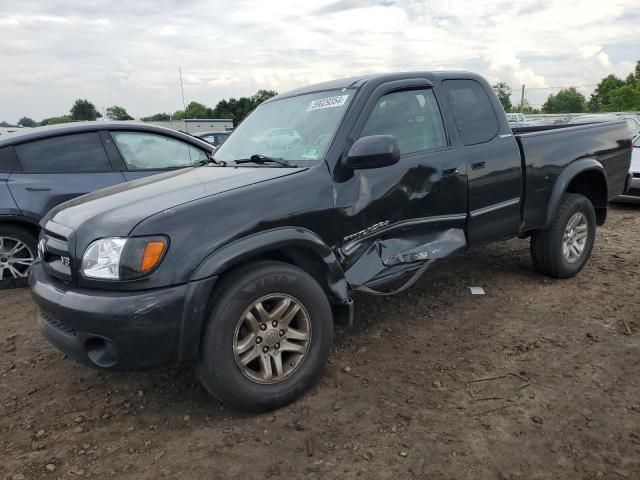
point(272, 338)
point(16, 258)
point(575, 237)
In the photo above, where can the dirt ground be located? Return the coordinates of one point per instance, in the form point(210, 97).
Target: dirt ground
point(537, 379)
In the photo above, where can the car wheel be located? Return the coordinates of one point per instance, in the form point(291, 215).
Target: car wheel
point(268, 336)
point(562, 250)
point(17, 254)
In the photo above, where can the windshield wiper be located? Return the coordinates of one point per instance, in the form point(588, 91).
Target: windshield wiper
point(262, 159)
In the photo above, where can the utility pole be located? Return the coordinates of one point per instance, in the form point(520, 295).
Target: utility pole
point(184, 105)
point(522, 100)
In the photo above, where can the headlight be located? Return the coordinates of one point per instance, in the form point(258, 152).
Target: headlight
point(122, 258)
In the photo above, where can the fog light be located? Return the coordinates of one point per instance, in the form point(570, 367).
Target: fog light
point(101, 352)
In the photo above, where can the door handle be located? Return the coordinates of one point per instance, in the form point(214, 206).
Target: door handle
point(450, 171)
point(478, 165)
point(38, 189)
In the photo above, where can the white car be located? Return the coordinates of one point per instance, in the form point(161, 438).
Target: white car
point(517, 120)
point(632, 195)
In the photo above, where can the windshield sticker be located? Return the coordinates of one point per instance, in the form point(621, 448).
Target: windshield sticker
point(328, 102)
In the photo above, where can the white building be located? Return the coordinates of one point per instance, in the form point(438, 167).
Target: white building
point(195, 125)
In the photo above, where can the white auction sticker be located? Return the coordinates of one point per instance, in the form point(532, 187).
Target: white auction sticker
point(328, 102)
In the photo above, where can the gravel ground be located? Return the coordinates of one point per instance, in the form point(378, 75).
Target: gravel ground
point(537, 379)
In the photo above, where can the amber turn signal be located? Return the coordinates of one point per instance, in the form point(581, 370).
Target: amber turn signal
point(152, 254)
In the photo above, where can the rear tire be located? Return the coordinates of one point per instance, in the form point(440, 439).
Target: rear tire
point(563, 249)
point(17, 246)
point(275, 318)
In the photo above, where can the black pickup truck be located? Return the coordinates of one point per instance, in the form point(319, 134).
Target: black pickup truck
point(242, 267)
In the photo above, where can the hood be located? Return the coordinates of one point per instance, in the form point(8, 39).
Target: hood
point(116, 210)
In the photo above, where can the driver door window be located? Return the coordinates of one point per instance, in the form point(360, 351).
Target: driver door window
point(412, 116)
point(147, 151)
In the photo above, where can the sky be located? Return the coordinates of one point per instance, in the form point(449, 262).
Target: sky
point(128, 53)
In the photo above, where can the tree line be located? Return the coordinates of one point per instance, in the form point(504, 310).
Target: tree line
point(234, 108)
point(612, 94)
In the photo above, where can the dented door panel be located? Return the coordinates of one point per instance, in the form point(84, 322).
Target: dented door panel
point(393, 254)
point(398, 217)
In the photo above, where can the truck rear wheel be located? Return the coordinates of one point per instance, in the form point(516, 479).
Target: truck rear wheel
point(562, 250)
point(268, 336)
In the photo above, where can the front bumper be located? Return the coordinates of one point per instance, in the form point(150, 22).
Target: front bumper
point(122, 330)
point(632, 193)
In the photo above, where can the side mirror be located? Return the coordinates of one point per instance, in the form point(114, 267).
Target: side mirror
point(374, 151)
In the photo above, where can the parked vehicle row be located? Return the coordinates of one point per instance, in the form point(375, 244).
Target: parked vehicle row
point(241, 267)
point(214, 138)
point(43, 167)
point(517, 120)
point(633, 122)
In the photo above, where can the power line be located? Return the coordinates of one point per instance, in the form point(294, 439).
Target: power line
point(568, 86)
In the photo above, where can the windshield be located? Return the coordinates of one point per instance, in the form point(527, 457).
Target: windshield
point(296, 129)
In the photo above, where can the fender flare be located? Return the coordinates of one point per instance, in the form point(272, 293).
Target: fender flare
point(563, 181)
point(14, 218)
point(247, 247)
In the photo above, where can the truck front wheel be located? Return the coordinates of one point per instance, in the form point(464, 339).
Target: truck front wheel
point(562, 250)
point(268, 336)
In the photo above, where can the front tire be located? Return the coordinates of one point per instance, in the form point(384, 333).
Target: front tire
point(563, 249)
point(268, 336)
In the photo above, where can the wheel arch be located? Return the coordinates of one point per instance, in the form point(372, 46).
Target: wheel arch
point(587, 177)
point(297, 246)
point(19, 221)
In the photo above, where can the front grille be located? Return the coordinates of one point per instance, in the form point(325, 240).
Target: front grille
point(59, 326)
point(635, 174)
point(55, 254)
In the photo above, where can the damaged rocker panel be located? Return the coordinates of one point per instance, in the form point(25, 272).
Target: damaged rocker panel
point(380, 257)
point(355, 240)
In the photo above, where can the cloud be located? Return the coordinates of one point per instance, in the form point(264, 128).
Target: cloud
point(595, 51)
point(56, 51)
point(343, 5)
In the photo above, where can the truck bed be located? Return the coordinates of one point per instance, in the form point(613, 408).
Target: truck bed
point(545, 150)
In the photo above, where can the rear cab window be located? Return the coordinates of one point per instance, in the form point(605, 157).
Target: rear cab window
point(472, 110)
point(80, 152)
